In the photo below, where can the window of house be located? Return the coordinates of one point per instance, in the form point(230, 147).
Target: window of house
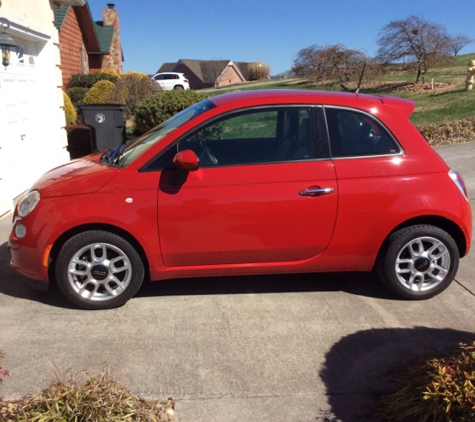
point(353, 133)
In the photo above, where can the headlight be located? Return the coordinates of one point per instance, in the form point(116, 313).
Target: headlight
point(28, 203)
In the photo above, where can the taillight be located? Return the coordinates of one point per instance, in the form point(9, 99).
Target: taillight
point(185, 80)
point(457, 178)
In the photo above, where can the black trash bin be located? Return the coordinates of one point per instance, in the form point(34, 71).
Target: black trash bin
point(107, 123)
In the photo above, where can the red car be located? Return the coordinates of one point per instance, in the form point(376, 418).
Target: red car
point(256, 182)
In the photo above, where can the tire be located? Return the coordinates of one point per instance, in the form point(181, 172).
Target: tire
point(178, 87)
point(98, 270)
point(419, 262)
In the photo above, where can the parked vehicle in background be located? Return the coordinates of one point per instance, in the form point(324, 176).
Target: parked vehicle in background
point(171, 80)
point(257, 182)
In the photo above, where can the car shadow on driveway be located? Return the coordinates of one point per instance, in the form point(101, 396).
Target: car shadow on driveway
point(360, 284)
point(358, 367)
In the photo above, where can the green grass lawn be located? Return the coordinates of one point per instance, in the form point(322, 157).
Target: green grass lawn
point(441, 105)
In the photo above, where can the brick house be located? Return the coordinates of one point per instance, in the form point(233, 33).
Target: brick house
point(88, 46)
point(209, 73)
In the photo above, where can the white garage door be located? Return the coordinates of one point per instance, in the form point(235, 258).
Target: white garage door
point(19, 147)
point(16, 138)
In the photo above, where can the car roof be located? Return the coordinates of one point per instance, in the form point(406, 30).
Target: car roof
point(295, 96)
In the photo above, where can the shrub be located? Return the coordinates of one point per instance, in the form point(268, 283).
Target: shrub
point(99, 93)
point(160, 107)
point(454, 132)
point(131, 89)
point(105, 73)
point(98, 399)
point(438, 390)
point(69, 110)
point(258, 71)
point(87, 80)
point(77, 94)
point(133, 73)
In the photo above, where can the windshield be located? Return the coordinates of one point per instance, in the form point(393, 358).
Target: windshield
point(121, 156)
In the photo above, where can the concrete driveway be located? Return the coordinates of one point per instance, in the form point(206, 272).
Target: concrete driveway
point(288, 348)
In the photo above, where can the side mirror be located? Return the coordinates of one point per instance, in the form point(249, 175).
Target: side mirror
point(186, 160)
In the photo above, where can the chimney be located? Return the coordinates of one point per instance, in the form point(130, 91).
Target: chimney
point(110, 17)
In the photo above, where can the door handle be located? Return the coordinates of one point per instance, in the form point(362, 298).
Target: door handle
point(316, 192)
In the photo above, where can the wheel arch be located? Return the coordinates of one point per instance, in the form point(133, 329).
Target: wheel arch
point(443, 223)
point(58, 244)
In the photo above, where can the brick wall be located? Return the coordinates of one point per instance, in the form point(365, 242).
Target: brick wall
point(74, 57)
point(229, 76)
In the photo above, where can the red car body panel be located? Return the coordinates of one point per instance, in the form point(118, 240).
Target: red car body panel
point(249, 219)
point(258, 217)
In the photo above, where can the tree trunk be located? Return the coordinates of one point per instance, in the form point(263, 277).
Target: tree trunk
point(419, 73)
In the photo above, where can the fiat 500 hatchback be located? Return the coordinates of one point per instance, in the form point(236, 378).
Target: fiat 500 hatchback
point(266, 182)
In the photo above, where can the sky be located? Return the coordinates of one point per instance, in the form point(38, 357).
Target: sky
point(154, 32)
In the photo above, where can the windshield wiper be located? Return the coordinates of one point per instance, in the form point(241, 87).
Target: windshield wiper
point(112, 155)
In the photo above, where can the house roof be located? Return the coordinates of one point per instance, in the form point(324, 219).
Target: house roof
point(105, 34)
point(207, 70)
point(243, 68)
point(60, 16)
point(167, 67)
point(85, 22)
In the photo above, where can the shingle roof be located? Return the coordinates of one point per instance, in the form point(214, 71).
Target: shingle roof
point(60, 16)
point(85, 22)
point(166, 67)
point(105, 34)
point(243, 68)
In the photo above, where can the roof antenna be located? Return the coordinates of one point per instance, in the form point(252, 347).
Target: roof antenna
point(361, 79)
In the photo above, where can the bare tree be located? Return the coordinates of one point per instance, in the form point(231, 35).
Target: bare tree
point(334, 65)
point(414, 39)
point(457, 42)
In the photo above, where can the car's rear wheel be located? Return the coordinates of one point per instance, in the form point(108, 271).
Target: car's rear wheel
point(98, 270)
point(419, 262)
point(178, 87)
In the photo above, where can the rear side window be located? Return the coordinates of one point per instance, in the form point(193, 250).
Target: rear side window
point(353, 133)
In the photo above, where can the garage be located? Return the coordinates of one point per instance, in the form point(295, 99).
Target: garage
point(32, 138)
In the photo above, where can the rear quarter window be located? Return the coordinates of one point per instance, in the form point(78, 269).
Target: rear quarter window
point(353, 133)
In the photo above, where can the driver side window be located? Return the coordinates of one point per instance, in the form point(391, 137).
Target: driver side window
point(263, 135)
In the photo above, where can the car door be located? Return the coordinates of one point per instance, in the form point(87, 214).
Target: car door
point(265, 191)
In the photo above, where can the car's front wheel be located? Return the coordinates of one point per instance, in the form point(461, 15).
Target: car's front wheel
point(98, 270)
point(419, 262)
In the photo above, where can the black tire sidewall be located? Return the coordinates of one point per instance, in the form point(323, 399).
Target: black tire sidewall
point(397, 241)
point(78, 241)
